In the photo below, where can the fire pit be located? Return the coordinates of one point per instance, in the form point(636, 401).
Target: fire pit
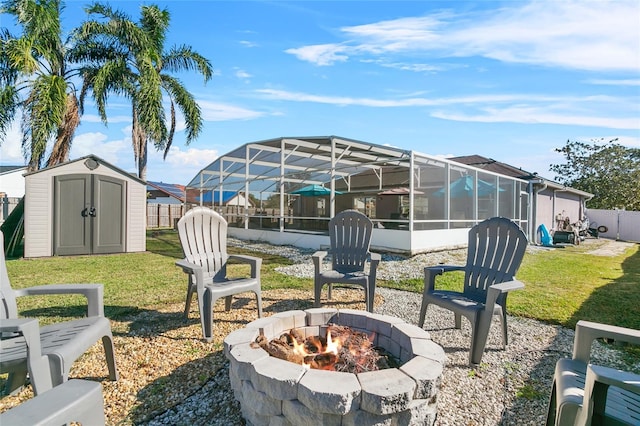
point(272, 391)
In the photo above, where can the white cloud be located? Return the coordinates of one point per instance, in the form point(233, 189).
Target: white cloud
point(594, 35)
point(214, 111)
point(242, 74)
point(97, 144)
point(247, 43)
point(512, 108)
point(11, 148)
point(321, 54)
point(612, 82)
point(93, 118)
point(538, 115)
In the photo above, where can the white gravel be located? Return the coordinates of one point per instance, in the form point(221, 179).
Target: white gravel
point(510, 387)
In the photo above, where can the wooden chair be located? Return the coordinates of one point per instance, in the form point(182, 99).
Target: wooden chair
point(61, 343)
point(585, 394)
point(203, 236)
point(495, 251)
point(350, 237)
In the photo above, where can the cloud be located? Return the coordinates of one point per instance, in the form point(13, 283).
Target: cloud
point(213, 111)
point(93, 118)
point(594, 36)
point(247, 43)
point(535, 115)
point(98, 144)
point(11, 148)
point(512, 108)
point(242, 74)
point(612, 82)
point(321, 54)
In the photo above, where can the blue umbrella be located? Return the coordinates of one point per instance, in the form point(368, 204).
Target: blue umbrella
point(463, 187)
point(314, 191)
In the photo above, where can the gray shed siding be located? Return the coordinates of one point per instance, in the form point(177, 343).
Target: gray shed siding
point(39, 205)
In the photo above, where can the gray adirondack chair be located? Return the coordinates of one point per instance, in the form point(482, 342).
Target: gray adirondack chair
point(62, 343)
point(495, 251)
point(203, 236)
point(350, 237)
point(73, 401)
point(583, 393)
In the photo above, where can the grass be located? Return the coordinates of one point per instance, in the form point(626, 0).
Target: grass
point(562, 286)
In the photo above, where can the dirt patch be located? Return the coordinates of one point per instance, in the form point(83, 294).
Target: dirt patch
point(610, 247)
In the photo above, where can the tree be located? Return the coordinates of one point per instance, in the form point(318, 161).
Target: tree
point(610, 171)
point(36, 80)
point(128, 59)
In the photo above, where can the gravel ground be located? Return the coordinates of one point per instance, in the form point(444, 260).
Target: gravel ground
point(169, 376)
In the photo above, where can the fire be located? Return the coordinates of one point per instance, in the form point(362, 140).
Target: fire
point(343, 349)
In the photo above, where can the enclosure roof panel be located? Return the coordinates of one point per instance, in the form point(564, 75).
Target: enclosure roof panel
point(295, 160)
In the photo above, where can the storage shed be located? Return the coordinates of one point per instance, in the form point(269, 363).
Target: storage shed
point(84, 206)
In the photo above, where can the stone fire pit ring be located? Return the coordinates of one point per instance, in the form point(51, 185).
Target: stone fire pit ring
point(272, 391)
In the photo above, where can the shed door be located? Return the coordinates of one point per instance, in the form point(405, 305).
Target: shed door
point(89, 213)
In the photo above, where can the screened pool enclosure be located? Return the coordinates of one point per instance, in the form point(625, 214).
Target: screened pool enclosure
point(291, 187)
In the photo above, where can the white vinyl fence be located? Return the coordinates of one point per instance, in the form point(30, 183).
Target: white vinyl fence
point(620, 224)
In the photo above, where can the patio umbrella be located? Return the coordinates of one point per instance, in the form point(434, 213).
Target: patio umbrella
point(463, 187)
point(314, 191)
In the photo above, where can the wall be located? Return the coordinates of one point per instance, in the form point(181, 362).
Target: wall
point(621, 224)
point(383, 240)
point(12, 183)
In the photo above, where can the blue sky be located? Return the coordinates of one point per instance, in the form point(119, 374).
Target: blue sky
point(509, 80)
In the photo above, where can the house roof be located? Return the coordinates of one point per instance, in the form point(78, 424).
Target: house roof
point(171, 189)
point(492, 165)
point(226, 196)
point(8, 169)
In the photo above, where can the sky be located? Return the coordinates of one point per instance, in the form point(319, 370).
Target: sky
point(508, 80)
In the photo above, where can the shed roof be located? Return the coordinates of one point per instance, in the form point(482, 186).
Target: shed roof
point(95, 158)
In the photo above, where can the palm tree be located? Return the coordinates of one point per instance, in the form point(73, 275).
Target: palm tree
point(36, 79)
point(128, 59)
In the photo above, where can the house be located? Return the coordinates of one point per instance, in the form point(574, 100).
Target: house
point(549, 201)
point(11, 188)
point(12, 181)
point(165, 193)
point(418, 202)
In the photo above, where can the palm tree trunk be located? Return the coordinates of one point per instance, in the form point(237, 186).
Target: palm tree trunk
point(66, 130)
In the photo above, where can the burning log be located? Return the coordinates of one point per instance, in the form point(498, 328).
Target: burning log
point(344, 349)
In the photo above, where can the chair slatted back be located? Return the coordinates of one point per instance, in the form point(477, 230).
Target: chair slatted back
point(8, 305)
point(203, 235)
point(496, 248)
point(350, 237)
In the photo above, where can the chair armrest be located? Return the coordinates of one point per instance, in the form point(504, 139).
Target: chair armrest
point(374, 259)
point(93, 292)
point(37, 364)
point(431, 272)
point(254, 261)
point(317, 258)
point(587, 332)
point(193, 269)
point(597, 381)
point(496, 290)
point(507, 286)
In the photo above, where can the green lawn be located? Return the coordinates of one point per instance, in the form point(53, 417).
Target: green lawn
point(562, 286)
